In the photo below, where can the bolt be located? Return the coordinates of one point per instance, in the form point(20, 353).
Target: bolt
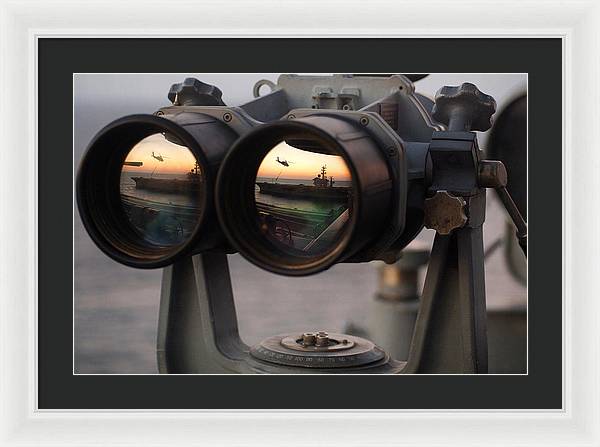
point(391, 151)
point(322, 340)
point(227, 117)
point(364, 120)
point(159, 113)
point(346, 107)
point(308, 339)
point(291, 117)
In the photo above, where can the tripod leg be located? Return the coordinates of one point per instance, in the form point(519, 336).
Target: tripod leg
point(450, 333)
point(197, 329)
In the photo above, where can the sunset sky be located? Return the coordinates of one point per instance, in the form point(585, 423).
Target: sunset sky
point(304, 165)
point(177, 159)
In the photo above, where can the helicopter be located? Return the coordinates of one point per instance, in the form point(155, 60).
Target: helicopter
point(159, 157)
point(284, 162)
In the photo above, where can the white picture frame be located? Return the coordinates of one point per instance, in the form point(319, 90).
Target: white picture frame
point(576, 23)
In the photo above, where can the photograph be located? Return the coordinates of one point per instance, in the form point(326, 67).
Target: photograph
point(268, 223)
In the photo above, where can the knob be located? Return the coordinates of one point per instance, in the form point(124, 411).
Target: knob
point(463, 108)
point(192, 92)
point(492, 174)
point(445, 212)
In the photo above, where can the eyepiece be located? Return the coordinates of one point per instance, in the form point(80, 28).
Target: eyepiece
point(145, 187)
point(295, 197)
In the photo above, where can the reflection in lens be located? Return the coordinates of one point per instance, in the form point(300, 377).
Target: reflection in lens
point(303, 199)
point(161, 183)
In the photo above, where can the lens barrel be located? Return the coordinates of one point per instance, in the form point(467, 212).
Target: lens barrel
point(275, 222)
point(151, 218)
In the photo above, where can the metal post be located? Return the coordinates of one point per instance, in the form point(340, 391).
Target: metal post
point(197, 327)
point(450, 332)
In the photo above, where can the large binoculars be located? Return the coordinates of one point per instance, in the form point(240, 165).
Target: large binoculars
point(321, 170)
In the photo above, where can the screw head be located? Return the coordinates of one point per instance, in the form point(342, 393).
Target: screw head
point(364, 121)
point(227, 117)
point(291, 116)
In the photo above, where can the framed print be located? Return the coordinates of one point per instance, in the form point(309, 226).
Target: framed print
point(286, 228)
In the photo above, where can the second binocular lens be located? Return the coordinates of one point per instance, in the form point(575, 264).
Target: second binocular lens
point(295, 197)
point(303, 199)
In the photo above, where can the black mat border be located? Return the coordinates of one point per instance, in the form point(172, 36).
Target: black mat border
point(59, 58)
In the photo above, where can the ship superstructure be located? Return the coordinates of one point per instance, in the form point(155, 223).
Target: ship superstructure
point(189, 185)
point(322, 188)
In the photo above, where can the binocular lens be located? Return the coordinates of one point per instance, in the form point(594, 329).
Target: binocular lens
point(303, 198)
point(145, 187)
point(297, 196)
point(160, 186)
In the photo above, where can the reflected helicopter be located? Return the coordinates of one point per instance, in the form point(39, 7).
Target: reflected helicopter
point(284, 162)
point(159, 157)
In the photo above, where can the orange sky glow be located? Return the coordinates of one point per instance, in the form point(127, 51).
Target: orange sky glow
point(177, 159)
point(303, 164)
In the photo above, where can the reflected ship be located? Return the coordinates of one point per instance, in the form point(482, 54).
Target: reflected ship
point(308, 217)
point(164, 210)
point(322, 188)
point(189, 185)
